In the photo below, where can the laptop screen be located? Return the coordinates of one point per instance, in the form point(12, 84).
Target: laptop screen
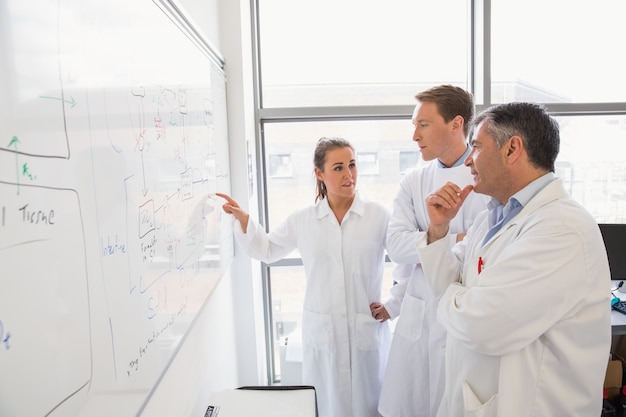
point(614, 236)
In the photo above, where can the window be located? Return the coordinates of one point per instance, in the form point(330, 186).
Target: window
point(408, 160)
point(557, 61)
point(288, 285)
point(367, 163)
point(592, 162)
point(280, 165)
point(285, 195)
point(356, 53)
point(352, 69)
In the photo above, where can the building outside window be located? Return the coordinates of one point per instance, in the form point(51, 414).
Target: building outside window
point(367, 163)
point(280, 166)
point(408, 160)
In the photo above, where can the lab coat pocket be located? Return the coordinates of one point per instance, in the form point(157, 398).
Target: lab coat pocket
point(473, 406)
point(317, 330)
point(411, 320)
point(367, 332)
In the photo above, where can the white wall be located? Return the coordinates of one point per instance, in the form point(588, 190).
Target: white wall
point(225, 349)
point(235, 34)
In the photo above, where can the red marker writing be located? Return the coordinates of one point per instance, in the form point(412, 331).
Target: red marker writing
point(480, 264)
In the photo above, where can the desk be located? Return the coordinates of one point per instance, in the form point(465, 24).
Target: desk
point(275, 401)
point(618, 320)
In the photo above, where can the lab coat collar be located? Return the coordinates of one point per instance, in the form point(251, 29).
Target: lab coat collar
point(553, 191)
point(358, 207)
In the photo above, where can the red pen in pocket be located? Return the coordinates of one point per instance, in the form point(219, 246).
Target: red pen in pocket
point(480, 264)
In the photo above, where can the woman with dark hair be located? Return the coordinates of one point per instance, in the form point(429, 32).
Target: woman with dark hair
point(341, 239)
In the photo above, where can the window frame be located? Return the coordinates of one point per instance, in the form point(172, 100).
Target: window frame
point(479, 82)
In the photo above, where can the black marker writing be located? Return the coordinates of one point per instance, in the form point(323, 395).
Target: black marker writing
point(36, 216)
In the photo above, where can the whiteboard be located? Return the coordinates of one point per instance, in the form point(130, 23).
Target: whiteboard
point(113, 137)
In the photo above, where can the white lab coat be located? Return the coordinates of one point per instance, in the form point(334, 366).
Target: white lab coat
point(530, 335)
point(344, 348)
point(414, 379)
